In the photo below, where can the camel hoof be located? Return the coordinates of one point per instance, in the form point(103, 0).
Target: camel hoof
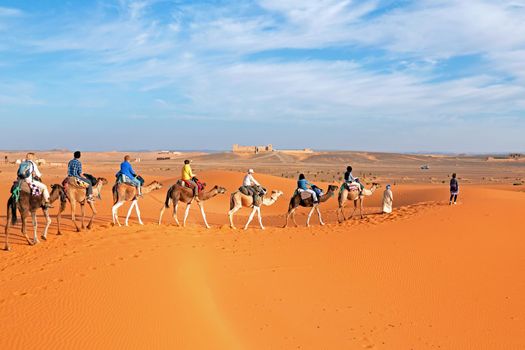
point(59, 233)
point(7, 248)
point(44, 238)
point(322, 223)
point(233, 227)
point(262, 228)
point(141, 223)
point(208, 227)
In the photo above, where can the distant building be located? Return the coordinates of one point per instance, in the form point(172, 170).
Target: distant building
point(266, 149)
point(252, 149)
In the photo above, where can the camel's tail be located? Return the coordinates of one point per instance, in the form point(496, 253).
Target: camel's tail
point(232, 201)
point(168, 196)
point(11, 206)
point(115, 194)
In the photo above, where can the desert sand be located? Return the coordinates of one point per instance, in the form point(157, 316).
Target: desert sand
point(428, 276)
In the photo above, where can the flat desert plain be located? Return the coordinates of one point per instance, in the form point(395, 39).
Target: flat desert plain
point(427, 276)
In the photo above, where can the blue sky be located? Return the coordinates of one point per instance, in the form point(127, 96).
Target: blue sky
point(377, 75)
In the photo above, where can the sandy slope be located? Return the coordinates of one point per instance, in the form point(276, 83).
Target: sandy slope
point(428, 276)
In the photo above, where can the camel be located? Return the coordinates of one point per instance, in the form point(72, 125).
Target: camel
point(123, 192)
point(353, 195)
point(296, 201)
point(74, 194)
point(178, 193)
point(239, 200)
point(27, 203)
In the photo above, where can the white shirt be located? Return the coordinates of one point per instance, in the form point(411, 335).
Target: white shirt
point(36, 172)
point(249, 181)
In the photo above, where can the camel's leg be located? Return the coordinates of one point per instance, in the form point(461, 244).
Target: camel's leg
point(73, 214)
point(319, 214)
point(203, 215)
point(288, 216)
point(309, 216)
point(23, 214)
point(355, 207)
point(35, 227)
point(93, 213)
point(175, 216)
point(186, 214)
point(82, 215)
point(161, 213)
point(59, 215)
point(233, 211)
point(260, 217)
point(114, 212)
point(341, 209)
point(361, 207)
point(7, 224)
point(133, 204)
point(48, 223)
point(137, 210)
point(293, 217)
point(250, 218)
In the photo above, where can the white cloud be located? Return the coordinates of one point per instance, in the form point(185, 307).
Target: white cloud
point(202, 54)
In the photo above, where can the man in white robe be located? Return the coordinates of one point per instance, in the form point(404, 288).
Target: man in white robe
point(388, 198)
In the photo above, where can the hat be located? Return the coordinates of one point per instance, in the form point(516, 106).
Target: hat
point(250, 171)
point(388, 187)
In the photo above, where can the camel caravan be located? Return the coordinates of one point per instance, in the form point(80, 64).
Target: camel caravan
point(29, 194)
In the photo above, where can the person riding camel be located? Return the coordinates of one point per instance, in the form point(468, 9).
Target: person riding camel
point(188, 177)
point(302, 185)
point(29, 172)
point(349, 178)
point(129, 176)
point(74, 169)
point(251, 186)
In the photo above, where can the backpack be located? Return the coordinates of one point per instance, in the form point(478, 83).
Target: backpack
point(25, 170)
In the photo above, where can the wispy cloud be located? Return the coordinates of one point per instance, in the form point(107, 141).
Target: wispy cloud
point(317, 61)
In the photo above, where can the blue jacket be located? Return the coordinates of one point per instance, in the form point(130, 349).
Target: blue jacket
point(303, 184)
point(127, 169)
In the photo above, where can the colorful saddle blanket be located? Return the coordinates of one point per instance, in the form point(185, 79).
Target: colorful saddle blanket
point(186, 183)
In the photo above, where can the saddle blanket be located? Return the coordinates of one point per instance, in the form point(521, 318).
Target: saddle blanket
point(185, 183)
point(304, 194)
point(353, 186)
point(75, 181)
point(27, 188)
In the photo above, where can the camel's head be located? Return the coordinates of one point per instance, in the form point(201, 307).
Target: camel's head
point(57, 191)
point(376, 184)
point(156, 185)
point(220, 189)
point(276, 194)
point(333, 188)
point(102, 180)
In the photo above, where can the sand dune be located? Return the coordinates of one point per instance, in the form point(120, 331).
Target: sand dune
point(429, 276)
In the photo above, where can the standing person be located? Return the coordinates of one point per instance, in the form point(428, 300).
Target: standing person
point(303, 184)
point(127, 170)
point(74, 169)
point(188, 177)
point(29, 172)
point(388, 199)
point(454, 189)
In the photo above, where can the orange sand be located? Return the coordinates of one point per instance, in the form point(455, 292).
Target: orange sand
point(429, 276)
